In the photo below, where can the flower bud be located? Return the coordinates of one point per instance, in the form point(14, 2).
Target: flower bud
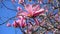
point(8, 24)
point(15, 24)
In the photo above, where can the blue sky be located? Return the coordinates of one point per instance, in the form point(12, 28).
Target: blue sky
point(5, 14)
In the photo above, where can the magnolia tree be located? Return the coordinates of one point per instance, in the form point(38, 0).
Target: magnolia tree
point(37, 17)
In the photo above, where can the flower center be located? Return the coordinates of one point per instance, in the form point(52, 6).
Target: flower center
point(29, 15)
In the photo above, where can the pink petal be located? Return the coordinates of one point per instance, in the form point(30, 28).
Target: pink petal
point(15, 24)
point(38, 12)
point(21, 22)
point(29, 9)
point(8, 24)
point(36, 8)
point(46, 10)
point(23, 25)
point(20, 1)
point(18, 8)
point(22, 13)
point(18, 21)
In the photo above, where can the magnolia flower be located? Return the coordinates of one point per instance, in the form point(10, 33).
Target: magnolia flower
point(20, 22)
point(32, 11)
point(15, 24)
point(8, 24)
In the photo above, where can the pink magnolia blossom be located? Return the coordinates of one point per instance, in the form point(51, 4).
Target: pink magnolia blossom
point(32, 11)
point(8, 24)
point(15, 24)
point(20, 22)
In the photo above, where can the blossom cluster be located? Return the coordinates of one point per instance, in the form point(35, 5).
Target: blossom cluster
point(36, 19)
